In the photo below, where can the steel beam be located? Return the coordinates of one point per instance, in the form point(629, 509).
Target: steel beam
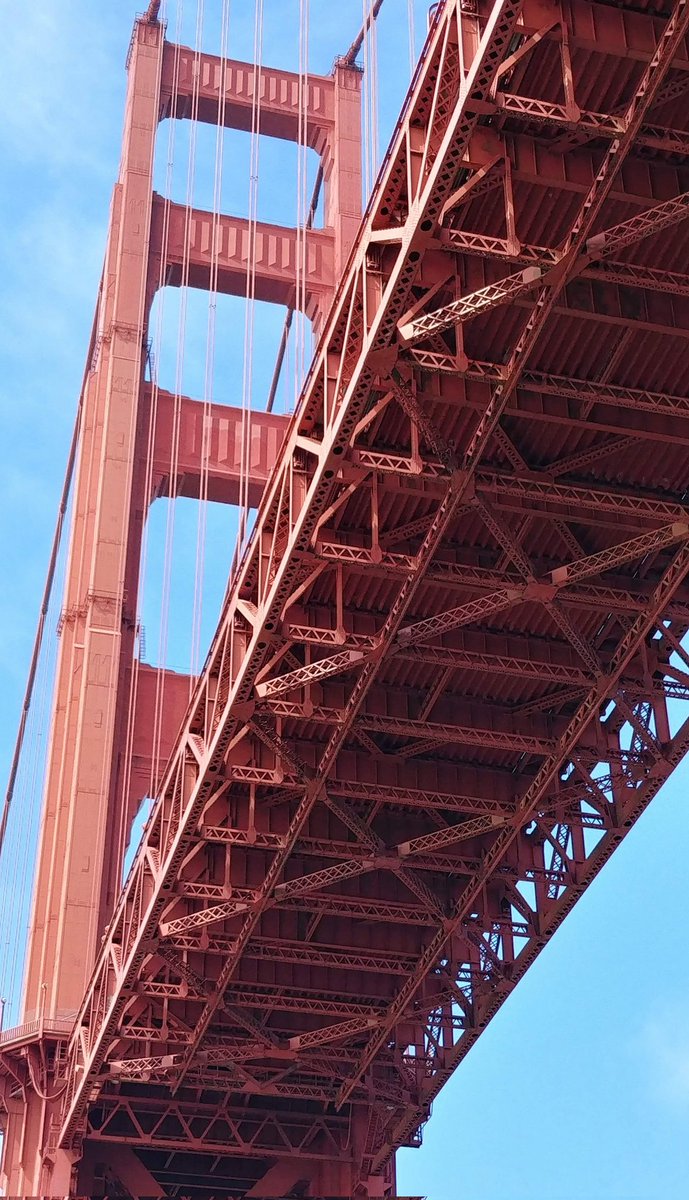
point(197, 246)
point(472, 305)
point(548, 771)
point(645, 92)
point(223, 90)
point(199, 1127)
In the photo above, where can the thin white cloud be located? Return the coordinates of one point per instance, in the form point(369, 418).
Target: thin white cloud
point(665, 1043)
point(53, 81)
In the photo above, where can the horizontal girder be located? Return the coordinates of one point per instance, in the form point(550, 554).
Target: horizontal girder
point(148, 1123)
point(196, 246)
point(214, 89)
point(188, 463)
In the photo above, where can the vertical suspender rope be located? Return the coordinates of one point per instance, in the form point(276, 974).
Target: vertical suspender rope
point(373, 34)
point(299, 262)
point(307, 334)
point(302, 212)
point(164, 611)
point(210, 350)
point(371, 90)
point(412, 49)
point(365, 94)
point(247, 374)
point(347, 60)
point(178, 392)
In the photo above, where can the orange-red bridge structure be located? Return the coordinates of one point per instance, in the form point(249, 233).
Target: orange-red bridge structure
point(449, 672)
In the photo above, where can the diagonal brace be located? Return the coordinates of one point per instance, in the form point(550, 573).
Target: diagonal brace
point(472, 305)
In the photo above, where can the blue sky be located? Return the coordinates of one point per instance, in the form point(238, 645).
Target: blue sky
point(580, 1088)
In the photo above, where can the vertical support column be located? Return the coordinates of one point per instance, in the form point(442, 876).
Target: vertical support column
point(84, 823)
point(342, 164)
point(77, 853)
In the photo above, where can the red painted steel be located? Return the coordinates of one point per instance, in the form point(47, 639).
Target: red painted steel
point(180, 455)
point(196, 244)
point(448, 675)
point(90, 795)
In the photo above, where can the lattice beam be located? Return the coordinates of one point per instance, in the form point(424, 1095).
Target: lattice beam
point(645, 92)
point(473, 305)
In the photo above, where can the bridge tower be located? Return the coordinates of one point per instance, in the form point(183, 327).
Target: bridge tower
point(131, 433)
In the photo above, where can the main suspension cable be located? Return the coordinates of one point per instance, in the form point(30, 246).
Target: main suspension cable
point(315, 195)
point(350, 57)
point(49, 580)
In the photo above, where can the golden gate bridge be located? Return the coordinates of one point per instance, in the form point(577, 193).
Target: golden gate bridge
point(448, 673)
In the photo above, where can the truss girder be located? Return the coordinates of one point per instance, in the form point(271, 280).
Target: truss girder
point(528, 803)
point(533, 490)
point(554, 913)
point(542, 114)
point(473, 305)
point(216, 1126)
point(648, 86)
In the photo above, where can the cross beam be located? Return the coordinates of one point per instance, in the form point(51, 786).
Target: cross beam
point(645, 92)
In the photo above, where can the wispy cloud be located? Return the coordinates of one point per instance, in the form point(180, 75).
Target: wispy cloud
point(57, 76)
point(665, 1046)
point(61, 114)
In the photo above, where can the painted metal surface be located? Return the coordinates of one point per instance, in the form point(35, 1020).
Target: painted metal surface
point(449, 674)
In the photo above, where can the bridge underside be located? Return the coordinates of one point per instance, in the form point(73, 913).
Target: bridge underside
point(450, 674)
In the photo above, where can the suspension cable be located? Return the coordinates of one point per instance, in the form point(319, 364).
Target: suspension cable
point(302, 324)
point(250, 287)
point(351, 55)
point(347, 60)
point(412, 47)
point(49, 580)
point(290, 311)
